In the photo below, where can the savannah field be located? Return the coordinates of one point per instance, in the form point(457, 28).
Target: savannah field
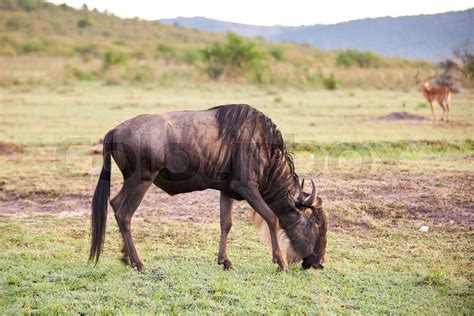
point(363, 131)
point(380, 181)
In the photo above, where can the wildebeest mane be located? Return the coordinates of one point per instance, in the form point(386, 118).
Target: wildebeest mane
point(234, 118)
point(241, 123)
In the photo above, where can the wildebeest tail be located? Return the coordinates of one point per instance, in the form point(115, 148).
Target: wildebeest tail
point(100, 201)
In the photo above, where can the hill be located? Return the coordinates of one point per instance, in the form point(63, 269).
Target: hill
point(430, 37)
point(97, 45)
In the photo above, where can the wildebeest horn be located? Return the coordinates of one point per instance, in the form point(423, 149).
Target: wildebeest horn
point(310, 199)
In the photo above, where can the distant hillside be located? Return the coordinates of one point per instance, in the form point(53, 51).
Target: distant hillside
point(430, 37)
point(97, 45)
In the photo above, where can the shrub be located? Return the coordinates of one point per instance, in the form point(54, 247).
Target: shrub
point(28, 5)
point(330, 82)
point(191, 56)
point(85, 75)
point(84, 22)
point(12, 24)
point(164, 51)
point(351, 57)
point(214, 58)
point(33, 47)
point(142, 74)
point(235, 58)
point(114, 58)
point(277, 53)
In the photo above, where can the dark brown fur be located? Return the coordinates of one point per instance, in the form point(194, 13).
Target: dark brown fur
point(234, 149)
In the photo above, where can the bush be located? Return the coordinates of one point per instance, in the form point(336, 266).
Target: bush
point(85, 75)
point(277, 53)
point(12, 24)
point(330, 82)
point(164, 51)
point(84, 22)
point(33, 47)
point(214, 58)
point(28, 5)
point(235, 58)
point(142, 74)
point(353, 57)
point(191, 56)
point(114, 58)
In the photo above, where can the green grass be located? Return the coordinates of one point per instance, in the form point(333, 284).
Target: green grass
point(377, 261)
point(322, 117)
point(44, 270)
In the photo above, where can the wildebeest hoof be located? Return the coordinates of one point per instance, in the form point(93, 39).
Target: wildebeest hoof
point(282, 267)
point(138, 266)
point(227, 265)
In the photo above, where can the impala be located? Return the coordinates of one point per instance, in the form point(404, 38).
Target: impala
point(440, 94)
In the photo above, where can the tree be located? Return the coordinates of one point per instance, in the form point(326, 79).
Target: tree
point(84, 22)
point(465, 54)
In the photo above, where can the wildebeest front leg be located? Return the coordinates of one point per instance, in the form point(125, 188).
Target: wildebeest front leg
point(226, 224)
point(125, 258)
point(251, 194)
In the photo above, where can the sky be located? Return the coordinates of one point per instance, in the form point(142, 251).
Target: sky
point(272, 12)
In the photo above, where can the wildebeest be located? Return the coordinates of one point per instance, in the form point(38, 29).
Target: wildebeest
point(235, 149)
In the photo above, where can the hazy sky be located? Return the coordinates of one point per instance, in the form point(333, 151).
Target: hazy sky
point(271, 12)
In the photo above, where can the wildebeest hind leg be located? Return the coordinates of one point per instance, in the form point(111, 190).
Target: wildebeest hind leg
point(226, 224)
point(125, 204)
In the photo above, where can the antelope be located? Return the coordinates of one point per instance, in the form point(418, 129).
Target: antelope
point(440, 94)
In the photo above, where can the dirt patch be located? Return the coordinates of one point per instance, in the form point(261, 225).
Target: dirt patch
point(157, 206)
point(402, 116)
point(10, 148)
point(442, 198)
point(353, 202)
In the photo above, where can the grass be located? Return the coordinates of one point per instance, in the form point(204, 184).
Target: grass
point(303, 116)
point(377, 260)
point(44, 271)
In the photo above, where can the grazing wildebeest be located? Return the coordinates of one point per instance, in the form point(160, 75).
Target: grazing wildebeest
point(231, 148)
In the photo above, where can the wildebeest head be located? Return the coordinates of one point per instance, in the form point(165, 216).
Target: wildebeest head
point(311, 206)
